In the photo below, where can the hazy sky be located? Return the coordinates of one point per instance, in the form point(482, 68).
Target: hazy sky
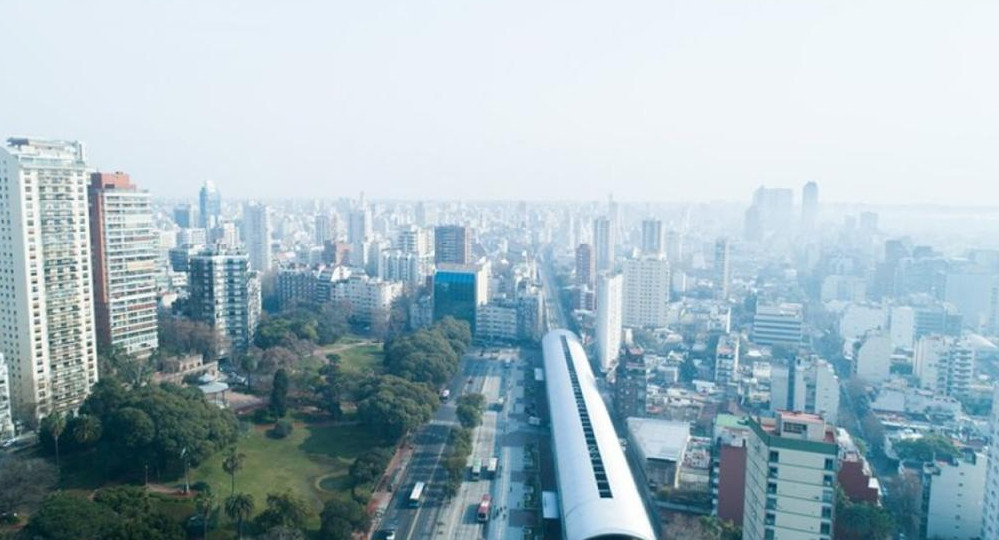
point(877, 100)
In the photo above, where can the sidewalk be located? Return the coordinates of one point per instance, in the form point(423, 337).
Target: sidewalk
point(381, 498)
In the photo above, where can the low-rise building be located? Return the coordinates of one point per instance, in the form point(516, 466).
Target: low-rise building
point(660, 446)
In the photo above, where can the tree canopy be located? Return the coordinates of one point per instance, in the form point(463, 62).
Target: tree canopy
point(429, 355)
point(118, 513)
point(394, 406)
point(341, 517)
point(152, 425)
point(926, 448)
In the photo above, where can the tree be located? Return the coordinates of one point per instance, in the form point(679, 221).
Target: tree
point(862, 520)
point(136, 517)
point(205, 503)
point(239, 508)
point(116, 362)
point(281, 532)
point(368, 467)
point(24, 482)
point(469, 410)
point(279, 394)
point(65, 516)
point(231, 464)
point(53, 426)
point(85, 429)
point(395, 406)
point(342, 517)
point(152, 425)
point(926, 448)
point(688, 370)
point(285, 509)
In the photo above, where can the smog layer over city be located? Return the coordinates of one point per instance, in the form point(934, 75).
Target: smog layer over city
point(308, 270)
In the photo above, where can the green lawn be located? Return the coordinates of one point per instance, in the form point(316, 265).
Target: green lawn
point(362, 359)
point(296, 463)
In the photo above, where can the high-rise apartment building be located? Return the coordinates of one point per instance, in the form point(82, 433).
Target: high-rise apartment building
point(257, 236)
point(209, 206)
point(452, 244)
point(809, 207)
point(646, 292)
point(790, 491)
point(603, 243)
point(359, 227)
point(953, 496)
point(46, 309)
point(778, 324)
point(807, 385)
point(722, 269)
point(944, 365)
point(6, 413)
point(123, 252)
point(727, 364)
point(609, 323)
point(586, 269)
point(990, 508)
point(225, 294)
point(631, 384)
point(652, 237)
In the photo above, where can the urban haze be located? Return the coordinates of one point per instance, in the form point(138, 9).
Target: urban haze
point(707, 270)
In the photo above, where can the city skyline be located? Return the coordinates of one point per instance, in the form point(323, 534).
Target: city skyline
point(657, 102)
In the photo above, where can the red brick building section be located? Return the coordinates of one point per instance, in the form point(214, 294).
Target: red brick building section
point(731, 482)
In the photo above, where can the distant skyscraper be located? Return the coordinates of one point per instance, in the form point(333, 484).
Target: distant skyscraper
point(609, 325)
point(585, 265)
point(359, 226)
point(603, 243)
point(453, 244)
point(646, 292)
point(809, 206)
point(674, 247)
point(869, 221)
point(182, 216)
point(778, 324)
point(324, 229)
point(257, 236)
point(225, 294)
point(46, 309)
point(652, 237)
point(770, 213)
point(420, 214)
point(124, 253)
point(209, 205)
point(722, 268)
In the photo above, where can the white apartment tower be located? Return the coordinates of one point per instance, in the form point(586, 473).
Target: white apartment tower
point(990, 508)
point(257, 236)
point(790, 478)
point(944, 365)
point(124, 250)
point(6, 416)
point(47, 310)
point(646, 292)
point(609, 324)
point(808, 385)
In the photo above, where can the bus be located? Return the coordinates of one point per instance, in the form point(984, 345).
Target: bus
point(476, 468)
point(483, 513)
point(491, 468)
point(417, 495)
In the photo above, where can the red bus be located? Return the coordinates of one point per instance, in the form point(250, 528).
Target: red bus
point(484, 507)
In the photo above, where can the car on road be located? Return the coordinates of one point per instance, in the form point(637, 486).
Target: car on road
point(389, 533)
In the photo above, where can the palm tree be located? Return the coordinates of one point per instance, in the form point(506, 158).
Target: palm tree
point(205, 502)
point(54, 424)
point(232, 464)
point(238, 508)
point(87, 430)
